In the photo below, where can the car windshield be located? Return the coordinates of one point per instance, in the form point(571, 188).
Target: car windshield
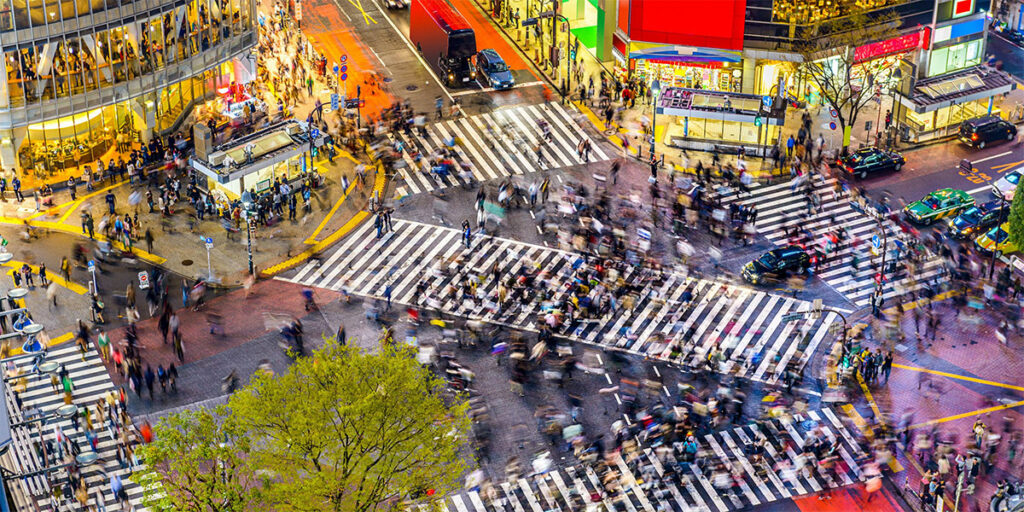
point(1013, 178)
point(769, 260)
point(972, 215)
point(497, 67)
point(998, 235)
point(931, 202)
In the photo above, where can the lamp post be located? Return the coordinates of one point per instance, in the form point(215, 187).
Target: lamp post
point(656, 93)
point(247, 211)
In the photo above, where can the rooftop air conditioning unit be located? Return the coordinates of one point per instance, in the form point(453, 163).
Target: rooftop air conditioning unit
point(217, 158)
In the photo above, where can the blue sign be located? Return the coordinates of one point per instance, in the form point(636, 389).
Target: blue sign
point(832, 125)
point(92, 266)
point(315, 133)
point(344, 77)
point(334, 101)
point(335, 68)
point(767, 101)
point(344, 58)
point(344, 68)
point(209, 240)
point(875, 241)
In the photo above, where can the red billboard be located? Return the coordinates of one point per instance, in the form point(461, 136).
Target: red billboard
point(702, 23)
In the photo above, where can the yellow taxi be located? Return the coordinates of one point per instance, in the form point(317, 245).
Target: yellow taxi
point(998, 239)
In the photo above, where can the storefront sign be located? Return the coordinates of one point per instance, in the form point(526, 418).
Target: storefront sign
point(956, 30)
point(890, 46)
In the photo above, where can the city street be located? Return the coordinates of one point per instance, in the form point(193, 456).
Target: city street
point(686, 334)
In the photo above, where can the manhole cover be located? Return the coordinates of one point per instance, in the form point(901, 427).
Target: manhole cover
point(411, 87)
point(186, 262)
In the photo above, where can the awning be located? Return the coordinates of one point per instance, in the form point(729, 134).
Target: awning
point(726, 106)
point(963, 86)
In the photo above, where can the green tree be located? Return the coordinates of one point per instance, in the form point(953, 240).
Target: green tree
point(345, 430)
point(1016, 220)
point(198, 463)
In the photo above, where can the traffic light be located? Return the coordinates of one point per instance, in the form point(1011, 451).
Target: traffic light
point(758, 122)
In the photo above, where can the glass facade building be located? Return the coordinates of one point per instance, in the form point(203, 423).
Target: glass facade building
point(82, 77)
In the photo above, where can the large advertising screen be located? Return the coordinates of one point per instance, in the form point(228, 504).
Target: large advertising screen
point(703, 23)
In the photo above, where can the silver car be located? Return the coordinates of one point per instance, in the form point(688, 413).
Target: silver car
point(1007, 185)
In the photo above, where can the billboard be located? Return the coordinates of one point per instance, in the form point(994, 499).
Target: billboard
point(701, 23)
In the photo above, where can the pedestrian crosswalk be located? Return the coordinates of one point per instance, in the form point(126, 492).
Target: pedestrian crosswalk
point(730, 474)
point(91, 383)
point(673, 317)
point(495, 145)
point(779, 206)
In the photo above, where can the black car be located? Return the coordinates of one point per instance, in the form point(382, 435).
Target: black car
point(871, 160)
point(777, 264)
point(977, 219)
point(984, 130)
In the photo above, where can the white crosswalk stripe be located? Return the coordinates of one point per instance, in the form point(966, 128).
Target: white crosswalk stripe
point(658, 480)
point(674, 317)
point(779, 207)
point(509, 151)
point(91, 382)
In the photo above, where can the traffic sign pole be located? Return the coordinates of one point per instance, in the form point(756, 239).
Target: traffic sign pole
point(209, 264)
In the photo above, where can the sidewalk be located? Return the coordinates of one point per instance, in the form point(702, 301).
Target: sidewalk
point(964, 375)
point(178, 239)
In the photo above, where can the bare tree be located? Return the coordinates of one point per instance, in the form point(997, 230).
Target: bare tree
point(828, 54)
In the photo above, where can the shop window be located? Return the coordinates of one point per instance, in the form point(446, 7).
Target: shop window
point(714, 129)
point(68, 143)
point(731, 131)
point(937, 62)
point(15, 78)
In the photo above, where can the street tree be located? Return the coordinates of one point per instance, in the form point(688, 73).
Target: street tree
point(829, 64)
point(344, 430)
point(1016, 221)
point(198, 462)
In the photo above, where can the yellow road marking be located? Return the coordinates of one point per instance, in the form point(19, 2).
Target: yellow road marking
point(152, 258)
point(312, 238)
point(921, 302)
point(959, 377)
point(862, 424)
point(73, 286)
point(358, 218)
point(63, 338)
point(1006, 167)
point(867, 394)
point(358, 4)
point(966, 415)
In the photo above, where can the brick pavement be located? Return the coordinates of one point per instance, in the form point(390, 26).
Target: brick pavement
point(972, 377)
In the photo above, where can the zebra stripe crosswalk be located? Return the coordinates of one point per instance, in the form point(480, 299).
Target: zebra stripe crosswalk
point(91, 383)
point(673, 317)
point(728, 477)
point(495, 145)
point(779, 206)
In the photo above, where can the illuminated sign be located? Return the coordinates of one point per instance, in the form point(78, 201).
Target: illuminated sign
point(962, 8)
point(890, 46)
point(964, 28)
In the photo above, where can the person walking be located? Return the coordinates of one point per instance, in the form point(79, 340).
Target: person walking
point(466, 233)
point(16, 186)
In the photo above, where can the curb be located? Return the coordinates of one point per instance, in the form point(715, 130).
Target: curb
point(378, 188)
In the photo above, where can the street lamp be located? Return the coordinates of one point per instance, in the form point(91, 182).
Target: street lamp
point(247, 212)
point(656, 93)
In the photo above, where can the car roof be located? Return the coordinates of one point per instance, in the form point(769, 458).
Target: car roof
point(989, 206)
point(490, 54)
point(868, 151)
point(978, 121)
point(785, 251)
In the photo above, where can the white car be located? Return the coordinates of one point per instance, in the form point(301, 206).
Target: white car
point(1007, 185)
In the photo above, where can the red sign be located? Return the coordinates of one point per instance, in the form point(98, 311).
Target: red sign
point(702, 23)
point(890, 46)
point(962, 8)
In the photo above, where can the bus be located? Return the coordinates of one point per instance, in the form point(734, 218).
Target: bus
point(445, 39)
